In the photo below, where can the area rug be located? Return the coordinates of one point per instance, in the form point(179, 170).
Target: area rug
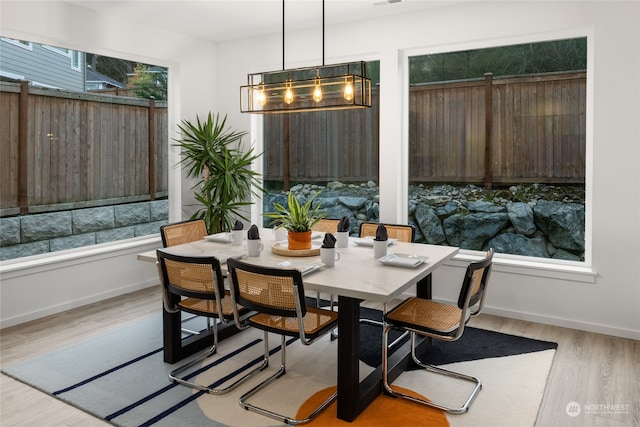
point(120, 377)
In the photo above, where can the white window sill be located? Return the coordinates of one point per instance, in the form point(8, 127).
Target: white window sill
point(73, 256)
point(538, 267)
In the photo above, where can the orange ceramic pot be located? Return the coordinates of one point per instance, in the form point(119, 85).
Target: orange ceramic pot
point(299, 240)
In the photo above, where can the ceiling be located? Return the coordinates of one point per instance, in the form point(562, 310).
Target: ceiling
point(219, 20)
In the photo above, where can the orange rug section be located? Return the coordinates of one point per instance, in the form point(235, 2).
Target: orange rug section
point(385, 411)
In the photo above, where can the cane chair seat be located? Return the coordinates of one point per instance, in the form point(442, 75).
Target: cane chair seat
point(426, 315)
point(277, 297)
point(441, 321)
point(199, 306)
point(314, 322)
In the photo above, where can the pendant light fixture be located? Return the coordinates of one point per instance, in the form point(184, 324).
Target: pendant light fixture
point(319, 88)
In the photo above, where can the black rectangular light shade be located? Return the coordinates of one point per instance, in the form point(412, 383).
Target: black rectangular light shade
point(321, 88)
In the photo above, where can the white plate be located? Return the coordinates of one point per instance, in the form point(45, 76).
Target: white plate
point(402, 260)
point(304, 267)
point(219, 237)
point(368, 241)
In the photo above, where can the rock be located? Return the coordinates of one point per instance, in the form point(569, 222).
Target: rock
point(429, 225)
point(563, 223)
point(473, 230)
point(518, 244)
point(353, 202)
point(521, 216)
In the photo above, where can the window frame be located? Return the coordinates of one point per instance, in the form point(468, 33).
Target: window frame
point(580, 271)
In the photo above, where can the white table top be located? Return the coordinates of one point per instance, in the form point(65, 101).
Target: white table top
point(357, 274)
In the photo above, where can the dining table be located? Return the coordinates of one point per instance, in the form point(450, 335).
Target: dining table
point(356, 277)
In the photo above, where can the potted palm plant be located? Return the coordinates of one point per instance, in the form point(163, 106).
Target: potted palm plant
point(298, 219)
point(213, 154)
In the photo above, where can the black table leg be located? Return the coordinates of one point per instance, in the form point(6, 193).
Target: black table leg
point(354, 396)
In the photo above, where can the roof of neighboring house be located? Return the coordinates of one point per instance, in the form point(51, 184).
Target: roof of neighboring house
point(94, 76)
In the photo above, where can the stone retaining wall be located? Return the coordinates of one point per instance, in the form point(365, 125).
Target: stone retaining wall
point(532, 220)
point(49, 232)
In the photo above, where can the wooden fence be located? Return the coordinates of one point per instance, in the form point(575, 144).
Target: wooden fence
point(63, 150)
point(521, 129)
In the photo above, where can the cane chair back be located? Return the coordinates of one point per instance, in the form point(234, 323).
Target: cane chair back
point(400, 232)
point(326, 225)
point(183, 232)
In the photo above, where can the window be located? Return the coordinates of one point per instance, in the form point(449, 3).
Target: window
point(87, 177)
point(20, 43)
point(335, 152)
point(497, 148)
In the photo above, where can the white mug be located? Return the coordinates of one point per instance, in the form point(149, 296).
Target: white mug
point(342, 239)
point(280, 234)
point(379, 248)
point(236, 237)
point(329, 256)
point(254, 247)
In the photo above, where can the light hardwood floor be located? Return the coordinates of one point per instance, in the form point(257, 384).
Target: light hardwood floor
point(599, 372)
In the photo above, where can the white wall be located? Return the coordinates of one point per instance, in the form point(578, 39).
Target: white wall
point(607, 302)
point(31, 292)
point(603, 298)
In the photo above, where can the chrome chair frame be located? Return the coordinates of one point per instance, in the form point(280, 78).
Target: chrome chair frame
point(284, 290)
point(406, 316)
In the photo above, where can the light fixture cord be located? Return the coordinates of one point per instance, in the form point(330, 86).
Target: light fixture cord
point(283, 35)
point(323, 33)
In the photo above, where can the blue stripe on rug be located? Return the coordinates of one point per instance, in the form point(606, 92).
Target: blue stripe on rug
point(199, 393)
point(107, 372)
point(170, 386)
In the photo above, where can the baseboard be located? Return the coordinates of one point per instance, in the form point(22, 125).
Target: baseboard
point(564, 323)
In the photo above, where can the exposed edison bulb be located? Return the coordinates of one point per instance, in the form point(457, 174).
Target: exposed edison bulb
point(288, 92)
point(317, 91)
point(348, 89)
point(262, 96)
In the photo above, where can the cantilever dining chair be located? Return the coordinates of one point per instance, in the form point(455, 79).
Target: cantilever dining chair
point(195, 285)
point(181, 232)
point(326, 225)
point(277, 295)
point(440, 321)
point(400, 232)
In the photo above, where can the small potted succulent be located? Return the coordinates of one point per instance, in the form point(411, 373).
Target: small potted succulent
point(298, 219)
